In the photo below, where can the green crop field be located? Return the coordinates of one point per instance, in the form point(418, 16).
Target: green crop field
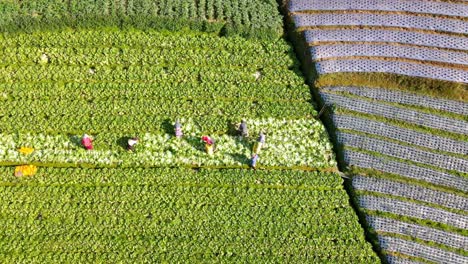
point(122, 69)
point(179, 215)
point(123, 87)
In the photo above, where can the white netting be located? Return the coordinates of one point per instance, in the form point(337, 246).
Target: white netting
point(402, 152)
point(386, 20)
point(404, 98)
point(382, 35)
point(382, 50)
point(397, 207)
point(367, 161)
point(414, 249)
point(415, 6)
point(397, 260)
point(393, 112)
point(396, 67)
point(402, 134)
point(414, 192)
point(422, 232)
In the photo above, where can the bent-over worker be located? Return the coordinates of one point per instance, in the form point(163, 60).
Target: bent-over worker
point(87, 142)
point(209, 144)
point(131, 143)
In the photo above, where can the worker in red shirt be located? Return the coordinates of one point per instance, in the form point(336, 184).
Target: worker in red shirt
point(209, 144)
point(87, 142)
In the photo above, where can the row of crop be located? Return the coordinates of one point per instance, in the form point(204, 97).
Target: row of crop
point(402, 134)
point(410, 248)
point(198, 239)
point(404, 98)
point(286, 147)
point(143, 39)
point(170, 73)
point(126, 125)
point(403, 152)
point(413, 172)
point(393, 112)
point(184, 249)
point(137, 39)
point(148, 254)
point(259, 19)
point(130, 56)
point(204, 219)
point(415, 6)
point(389, 36)
point(410, 191)
point(255, 203)
point(381, 224)
point(157, 91)
point(212, 218)
point(96, 108)
point(281, 179)
point(98, 117)
point(381, 20)
point(403, 208)
point(331, 51)
point(155, 196)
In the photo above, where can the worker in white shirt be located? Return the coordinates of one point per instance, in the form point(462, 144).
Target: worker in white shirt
point(131, 143)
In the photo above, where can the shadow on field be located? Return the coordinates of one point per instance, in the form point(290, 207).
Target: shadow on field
point(240, 158)
point(196, 143)
point(232, 128)
point(167, 126)
point(122, 142)
point(76, 140)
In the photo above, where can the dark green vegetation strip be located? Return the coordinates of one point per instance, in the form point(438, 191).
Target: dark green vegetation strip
point(253, 19)
point(180, 214)
point(424, 86)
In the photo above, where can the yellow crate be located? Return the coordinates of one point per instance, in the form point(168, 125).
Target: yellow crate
point(26, 150)
point(25, 170)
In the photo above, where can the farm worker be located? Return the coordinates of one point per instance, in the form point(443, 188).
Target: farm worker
point(131, 143)
point(253, 161)
point(243, 131)
point(209, 145)
point(178, 129)
point(259, 144)
point(87, 142)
